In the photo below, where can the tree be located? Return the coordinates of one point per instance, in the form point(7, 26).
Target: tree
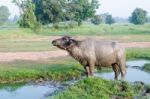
point(83, 9)
point(109, 19)
point(54, 11)
point(49, 11)
point(138, 16)
point(27, 18)
point(4, 14)
point(96, 20)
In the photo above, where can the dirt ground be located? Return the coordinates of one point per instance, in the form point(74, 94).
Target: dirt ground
point(33, 56)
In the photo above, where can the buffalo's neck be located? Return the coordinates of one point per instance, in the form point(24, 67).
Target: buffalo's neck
point(76, 53)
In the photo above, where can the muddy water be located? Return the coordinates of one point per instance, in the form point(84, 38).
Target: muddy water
point(133, 74)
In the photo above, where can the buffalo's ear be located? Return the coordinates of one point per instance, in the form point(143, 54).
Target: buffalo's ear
point(68, 37)
point(71, 41)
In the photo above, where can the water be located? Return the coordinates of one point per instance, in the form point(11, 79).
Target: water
point(133, 74)
point(139, 63)
point(27, 91)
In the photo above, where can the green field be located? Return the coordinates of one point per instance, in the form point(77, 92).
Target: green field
point(49, 69)
point(86, 29)
point(14, 39)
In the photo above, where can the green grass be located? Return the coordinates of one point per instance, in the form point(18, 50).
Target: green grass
point(25, 46)
point(18, 39)
point(53, 69)
point(146, 67)
point(97, 88)
point(137, 53)
point(12, 86)
point(103, 29)
point(85, 29)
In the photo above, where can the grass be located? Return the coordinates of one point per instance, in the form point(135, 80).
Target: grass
point(12, 86)
point(15, 39)
point(44, 43)
point(25, 46)
point(97, 88)
point(146, 67)
point(137, 53)
point(62, 70)
point(103, 29)
point(85, 29)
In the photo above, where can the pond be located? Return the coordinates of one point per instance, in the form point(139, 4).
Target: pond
point(27, 91)
point(133, 74)
point(42, 90)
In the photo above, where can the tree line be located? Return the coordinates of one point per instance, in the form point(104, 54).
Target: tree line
point(34, 13)
point(43, 12)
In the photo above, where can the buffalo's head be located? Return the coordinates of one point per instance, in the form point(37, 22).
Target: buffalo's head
point(64, 42)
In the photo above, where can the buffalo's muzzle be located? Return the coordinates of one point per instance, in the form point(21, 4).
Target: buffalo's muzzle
point(54, 42)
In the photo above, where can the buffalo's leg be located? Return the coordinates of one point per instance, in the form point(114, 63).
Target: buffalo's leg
point(122, 67)
point(91, 68)
point(121, 61)
point(87, 72)
point(116, 70)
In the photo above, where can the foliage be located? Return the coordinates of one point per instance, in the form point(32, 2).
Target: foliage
point(54, 11)
point(28, 18)
point(96, 20)
point(4, 14)
point(109, 19)
point(83, 9)
point(49, 11)
point(138, 16)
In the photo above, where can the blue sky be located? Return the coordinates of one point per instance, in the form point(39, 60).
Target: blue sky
point(120, 8)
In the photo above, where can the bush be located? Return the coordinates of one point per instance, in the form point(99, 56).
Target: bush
point(96, 20)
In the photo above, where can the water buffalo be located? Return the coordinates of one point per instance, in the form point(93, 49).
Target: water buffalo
point(90, 53)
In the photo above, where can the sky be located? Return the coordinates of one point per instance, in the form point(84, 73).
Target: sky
point(122, 8)
point(118, 8)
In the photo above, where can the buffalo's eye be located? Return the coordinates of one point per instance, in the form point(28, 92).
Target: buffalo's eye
point(64, 39)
